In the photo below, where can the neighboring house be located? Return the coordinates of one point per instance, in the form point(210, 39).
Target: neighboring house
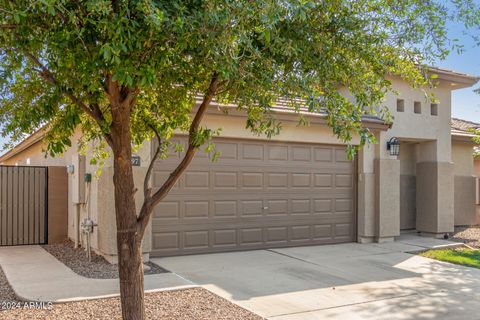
point(296, 188)
point(462, 145)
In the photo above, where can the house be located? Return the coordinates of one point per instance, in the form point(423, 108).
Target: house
point(462, 142)
point(295, 189)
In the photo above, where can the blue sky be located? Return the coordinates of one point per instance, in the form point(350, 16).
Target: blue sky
point(465, 102)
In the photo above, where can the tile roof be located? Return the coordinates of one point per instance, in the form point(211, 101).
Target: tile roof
point(463, 125)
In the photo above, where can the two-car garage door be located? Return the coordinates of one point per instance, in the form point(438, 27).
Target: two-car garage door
point(258, 194)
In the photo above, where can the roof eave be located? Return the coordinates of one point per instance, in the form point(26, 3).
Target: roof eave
point(32, 139)
point(456, 80)
point(462, 136)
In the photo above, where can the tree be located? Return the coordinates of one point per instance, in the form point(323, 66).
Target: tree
point(127, 71)
point(476, 140)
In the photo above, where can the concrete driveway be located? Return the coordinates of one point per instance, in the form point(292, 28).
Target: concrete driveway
point(345, 281)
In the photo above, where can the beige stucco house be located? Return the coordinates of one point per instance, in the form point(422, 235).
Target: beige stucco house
point(296, 188)
point(461, 139)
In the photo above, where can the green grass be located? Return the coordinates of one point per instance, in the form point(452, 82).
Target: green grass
point(464, 257)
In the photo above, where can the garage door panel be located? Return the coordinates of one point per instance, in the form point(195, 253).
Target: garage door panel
point(196, 209)
point(277, 180)
point(343, 205)
point(196, 239)
point(300, 180)
point(342, 231)
point(251, 207)
point(251, 180)
point(225, 238)
point(252, 151)
point(228, 208)
point(323, 154)
point(227, 150)
point(225, 179)
point(300, 233)
point(341, 155)
point(166, 241)
point(251, 236)
point(257, 195)
point(267, 193)
point(323, 180)
point(196, 180)
point(322, 231)
point(277, 235)
point(300, 206)
point(264, 222)
point(263, 166)
point(301, 154)
point(167, 210)
point(343, 180)
point(277, 207)
point(277, 153)
point(322, 205)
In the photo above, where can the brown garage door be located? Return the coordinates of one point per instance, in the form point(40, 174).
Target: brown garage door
point(258, 194)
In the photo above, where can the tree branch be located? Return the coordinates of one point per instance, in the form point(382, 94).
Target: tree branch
point(96, 113)
point(150, 202)
point(146, 190)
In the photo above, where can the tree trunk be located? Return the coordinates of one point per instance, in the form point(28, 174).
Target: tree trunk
point(129, 235)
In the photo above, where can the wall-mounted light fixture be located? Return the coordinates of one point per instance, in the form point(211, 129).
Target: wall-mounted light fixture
point(393, 145)
point(70, 169)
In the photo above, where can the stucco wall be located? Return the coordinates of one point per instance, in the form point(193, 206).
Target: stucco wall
point(409, 125)
point(476, 168)
point(57, 204)
point(476, 173)
point(465, 208)
point(432, 139)
point(387, 188)
point(366, 215)
point(435, 198)
point(35, 156)
point(234, 126)
point(408, 185)
point(464, 184)
point(462, 157)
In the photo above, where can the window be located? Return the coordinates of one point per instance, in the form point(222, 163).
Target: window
point(434, 109)
point(417, 107)
point(400, 105)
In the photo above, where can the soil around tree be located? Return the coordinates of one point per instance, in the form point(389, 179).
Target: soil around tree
point(97, 268)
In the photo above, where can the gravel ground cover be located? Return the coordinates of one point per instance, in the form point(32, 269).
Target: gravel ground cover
point(98, 268)
point(468, 235)
point(195, 304)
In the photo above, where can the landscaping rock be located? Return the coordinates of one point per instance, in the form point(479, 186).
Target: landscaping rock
point(467, 235)
point(98, 268)
point(194, 304)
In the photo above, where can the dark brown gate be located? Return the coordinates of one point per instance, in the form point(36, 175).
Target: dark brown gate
point(23, 205)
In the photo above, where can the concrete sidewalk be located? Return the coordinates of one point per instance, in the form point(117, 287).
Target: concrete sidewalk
point(36, 275)
point(343, 281)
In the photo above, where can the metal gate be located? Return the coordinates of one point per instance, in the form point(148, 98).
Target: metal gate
point(23, 205)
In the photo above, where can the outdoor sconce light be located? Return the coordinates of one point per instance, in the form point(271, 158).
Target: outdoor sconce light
point(71, 169)
point(393, 145)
